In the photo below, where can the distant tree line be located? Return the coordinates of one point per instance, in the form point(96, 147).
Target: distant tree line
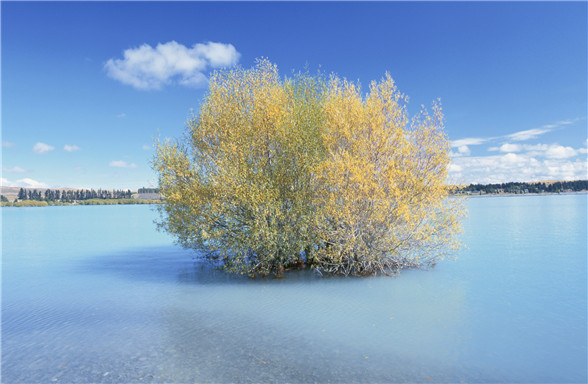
point(517, 188)
point(148, 190)
point(72, 195)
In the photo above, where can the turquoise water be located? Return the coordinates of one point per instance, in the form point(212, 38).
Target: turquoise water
point(96, 294)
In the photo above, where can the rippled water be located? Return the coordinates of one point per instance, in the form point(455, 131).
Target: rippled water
point(95, 294)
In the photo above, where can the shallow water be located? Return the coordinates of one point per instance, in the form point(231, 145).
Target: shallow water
point(96, 294)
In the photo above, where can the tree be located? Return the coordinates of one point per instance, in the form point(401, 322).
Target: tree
point(275, 174)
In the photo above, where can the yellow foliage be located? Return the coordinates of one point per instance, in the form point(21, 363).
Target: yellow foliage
point(385, 204)
point(274, 170)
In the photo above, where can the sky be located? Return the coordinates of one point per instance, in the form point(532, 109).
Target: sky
point(86, 87)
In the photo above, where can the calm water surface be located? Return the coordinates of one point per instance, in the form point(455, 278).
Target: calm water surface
point(96, 294)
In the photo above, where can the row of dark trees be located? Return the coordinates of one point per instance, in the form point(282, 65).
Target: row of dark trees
point(560, 186)
point(72, 195)
point(148, 190)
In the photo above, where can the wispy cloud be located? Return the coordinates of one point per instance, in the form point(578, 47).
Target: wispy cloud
point(536, 132)
point(7, 144)
point(527, 135)
point(146, 147)
point(146, 67)
point(517, 136)
point(15, 169)
point(71, 148)
point(122, 164)
point(42, 148)
point(23, 183)
point(560, 123)
point(121, 115)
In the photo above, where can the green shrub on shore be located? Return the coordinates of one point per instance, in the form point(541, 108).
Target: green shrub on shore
point(30, 203)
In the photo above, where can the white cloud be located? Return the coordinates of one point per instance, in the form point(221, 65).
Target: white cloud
point(121, 115)
point(469, 141)
point(146, 147)
point(7, 144)
point(15, 169)
point(42, 148)
point(218, 54)
point(71, 148)
point(519, 161)
point(510, 148)
point(122, 164)
point(24, 183)
point(515, 167)
point(560, 152)
point(146, 67)
point(464, 150)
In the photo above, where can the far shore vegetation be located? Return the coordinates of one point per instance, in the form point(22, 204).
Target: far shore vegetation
point(58, 197)
point(519, 188)
point(151, 195)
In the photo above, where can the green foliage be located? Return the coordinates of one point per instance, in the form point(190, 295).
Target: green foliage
point(30, 203)
point(242, 188)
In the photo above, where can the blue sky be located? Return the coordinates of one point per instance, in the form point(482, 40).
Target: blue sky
point(86, 87)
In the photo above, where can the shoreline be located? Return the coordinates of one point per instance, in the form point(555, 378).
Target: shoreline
point(521, 194)
point(37, 204)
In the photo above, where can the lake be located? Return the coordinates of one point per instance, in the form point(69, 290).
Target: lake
point(95, 294)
